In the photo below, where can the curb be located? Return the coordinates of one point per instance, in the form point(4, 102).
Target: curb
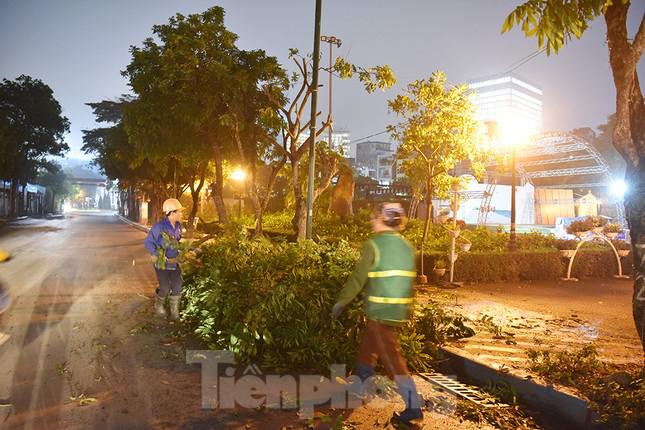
point(136, 225)
point(570, 408)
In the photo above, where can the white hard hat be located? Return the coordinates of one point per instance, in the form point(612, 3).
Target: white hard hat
point(171, 205)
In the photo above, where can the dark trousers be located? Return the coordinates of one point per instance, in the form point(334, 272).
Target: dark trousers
point(169, 281)
point(382, 341)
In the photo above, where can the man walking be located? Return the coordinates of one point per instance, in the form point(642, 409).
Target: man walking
point(387, 267)
point(162, 243)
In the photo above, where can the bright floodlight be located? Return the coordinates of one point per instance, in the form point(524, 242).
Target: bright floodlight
point(618, 188)
point(238, 175)
point(514, 130)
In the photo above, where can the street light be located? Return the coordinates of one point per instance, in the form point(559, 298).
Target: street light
point(514, 132)
point(239, 176)
point(618, 188)
point(332, 40)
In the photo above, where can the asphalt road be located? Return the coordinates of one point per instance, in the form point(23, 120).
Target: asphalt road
point(85, 351)
point(63, 276)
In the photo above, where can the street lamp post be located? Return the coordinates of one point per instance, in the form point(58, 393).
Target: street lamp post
point(512, 244)
point(332, 40)
point(514, 131)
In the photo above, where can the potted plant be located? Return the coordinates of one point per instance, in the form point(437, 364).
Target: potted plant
point(459, 225)
point(598, 223)
point(612, 230)
point(440, 267)
point(622, 247)
point(580, 227)
point(442, 218)
point(567, 247)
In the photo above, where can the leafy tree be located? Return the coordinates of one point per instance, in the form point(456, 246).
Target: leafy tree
point(58, 186)
point(180, 79)
point(253, 124)
point(554, 23)
point(438, 131)
point(32, 128)
point(290, 113)
point(113, 152)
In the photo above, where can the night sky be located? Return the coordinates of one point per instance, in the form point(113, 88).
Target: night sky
point(79, 47)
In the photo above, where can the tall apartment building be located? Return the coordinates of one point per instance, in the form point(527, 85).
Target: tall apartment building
point(508, 97)
point(340, 141)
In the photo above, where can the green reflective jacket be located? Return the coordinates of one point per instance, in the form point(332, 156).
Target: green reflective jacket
point(387, 267)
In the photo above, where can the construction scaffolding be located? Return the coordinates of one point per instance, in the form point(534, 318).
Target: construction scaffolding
point(557, 160)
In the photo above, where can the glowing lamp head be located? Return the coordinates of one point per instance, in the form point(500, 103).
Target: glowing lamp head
point(513, 130)
point(238, 175)
point(618, 188)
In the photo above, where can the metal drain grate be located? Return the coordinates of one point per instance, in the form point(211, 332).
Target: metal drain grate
point(468, 392)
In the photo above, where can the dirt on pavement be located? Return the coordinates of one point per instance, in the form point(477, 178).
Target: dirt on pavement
point(85, 351)
point(511, 318)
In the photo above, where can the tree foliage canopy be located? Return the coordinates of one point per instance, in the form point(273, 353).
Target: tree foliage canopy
point(32, 127)
point(438, 130)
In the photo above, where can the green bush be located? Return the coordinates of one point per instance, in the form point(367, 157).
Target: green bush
point(565, 244)
point(599, 264)
point(497, 267)
point(270, 303)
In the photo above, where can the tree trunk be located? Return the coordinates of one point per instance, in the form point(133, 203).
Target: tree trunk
point(629, 140)
point(194, 194)
point(299, 221)
point(21, 201)
point(426, 225)
point(133, 212)
point(217, 187)
point(252, 192)
point(13, 191)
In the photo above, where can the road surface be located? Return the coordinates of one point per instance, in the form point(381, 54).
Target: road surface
point(542, 315)
point(85, 352)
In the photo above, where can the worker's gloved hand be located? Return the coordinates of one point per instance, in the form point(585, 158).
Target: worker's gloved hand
point(153, 259)
point(337, 310)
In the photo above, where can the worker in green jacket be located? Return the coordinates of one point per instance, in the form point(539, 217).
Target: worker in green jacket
point(387, 267)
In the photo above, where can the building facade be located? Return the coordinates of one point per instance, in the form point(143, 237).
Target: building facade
point(340, 141)
point(376, 160)
point(508, 98)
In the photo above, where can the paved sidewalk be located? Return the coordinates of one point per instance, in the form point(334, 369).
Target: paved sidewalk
point(512, 318)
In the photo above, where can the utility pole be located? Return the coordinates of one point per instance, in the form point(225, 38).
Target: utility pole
point(332, 40)
point(312, 125)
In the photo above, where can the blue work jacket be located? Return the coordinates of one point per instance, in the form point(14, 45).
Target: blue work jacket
point(163, 242)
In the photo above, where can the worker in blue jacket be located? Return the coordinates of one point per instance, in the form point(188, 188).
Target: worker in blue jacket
point(162, 243)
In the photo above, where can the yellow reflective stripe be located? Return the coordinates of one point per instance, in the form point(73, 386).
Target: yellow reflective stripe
point(390, 273)
point(390, 300)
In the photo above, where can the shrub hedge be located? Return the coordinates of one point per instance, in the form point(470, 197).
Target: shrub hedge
point(270, 303)
point(531, 265)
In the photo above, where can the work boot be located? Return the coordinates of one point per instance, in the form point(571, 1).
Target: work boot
point(174, 307)
point(160, 309)
point(408, 390)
